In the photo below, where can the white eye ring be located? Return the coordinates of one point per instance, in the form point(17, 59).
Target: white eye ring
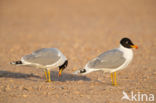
point(126, 42)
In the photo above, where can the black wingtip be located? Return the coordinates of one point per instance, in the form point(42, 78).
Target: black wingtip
point(16, 62)
point(83, 71)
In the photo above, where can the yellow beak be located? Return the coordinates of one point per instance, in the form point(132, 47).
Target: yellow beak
point(134, 46)
point(60, 72)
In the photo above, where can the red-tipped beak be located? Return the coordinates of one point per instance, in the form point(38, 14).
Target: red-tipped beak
point(60, 72)
point(134, 46)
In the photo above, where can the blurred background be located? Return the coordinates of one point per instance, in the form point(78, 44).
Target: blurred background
point(81, 29)
point(73, 26)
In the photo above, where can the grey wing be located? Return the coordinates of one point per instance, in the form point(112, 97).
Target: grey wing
point(111, 59)
point(45, 56)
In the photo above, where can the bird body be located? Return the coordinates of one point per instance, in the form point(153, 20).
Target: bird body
point(45, 58)
point(113, 64)
point(112, 60)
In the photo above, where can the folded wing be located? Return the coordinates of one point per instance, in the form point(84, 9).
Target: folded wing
point(110, 60)
point(45, 56)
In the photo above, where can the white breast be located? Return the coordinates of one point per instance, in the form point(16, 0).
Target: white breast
point(128, 55)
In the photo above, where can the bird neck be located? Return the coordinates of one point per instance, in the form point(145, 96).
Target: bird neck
point(122, 48)
point(127, 53)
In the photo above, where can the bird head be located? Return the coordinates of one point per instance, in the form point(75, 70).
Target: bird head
point(62, 67)
point(127, 43)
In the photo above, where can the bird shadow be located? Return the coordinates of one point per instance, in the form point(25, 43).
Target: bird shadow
point(67, 77)
point(54, 76)
point(8, 74)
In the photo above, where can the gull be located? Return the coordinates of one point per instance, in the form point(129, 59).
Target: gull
point(45, 58)
point(112, 60)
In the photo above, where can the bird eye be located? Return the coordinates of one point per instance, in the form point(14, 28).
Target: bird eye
point(126, 42)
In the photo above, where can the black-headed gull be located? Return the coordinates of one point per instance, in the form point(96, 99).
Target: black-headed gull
point(45, 58)
point(112, 60)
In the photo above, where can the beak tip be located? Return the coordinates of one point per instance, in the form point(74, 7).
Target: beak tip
point(136, 47)
point(60, 72)
point(59, 75)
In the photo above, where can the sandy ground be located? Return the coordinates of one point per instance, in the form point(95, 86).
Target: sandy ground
point(82, 30)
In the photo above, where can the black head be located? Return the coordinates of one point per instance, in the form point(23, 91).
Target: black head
point(127, 43)
point(62, 67)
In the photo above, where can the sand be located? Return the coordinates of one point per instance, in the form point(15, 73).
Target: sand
point(82, 30)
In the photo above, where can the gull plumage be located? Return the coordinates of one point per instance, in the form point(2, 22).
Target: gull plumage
point(45, 58)
point(112, 60)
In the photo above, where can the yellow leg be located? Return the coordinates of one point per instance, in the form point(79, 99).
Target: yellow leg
point(115, 83)
point(112, 78)
point(49, 80)
point(45, 74)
